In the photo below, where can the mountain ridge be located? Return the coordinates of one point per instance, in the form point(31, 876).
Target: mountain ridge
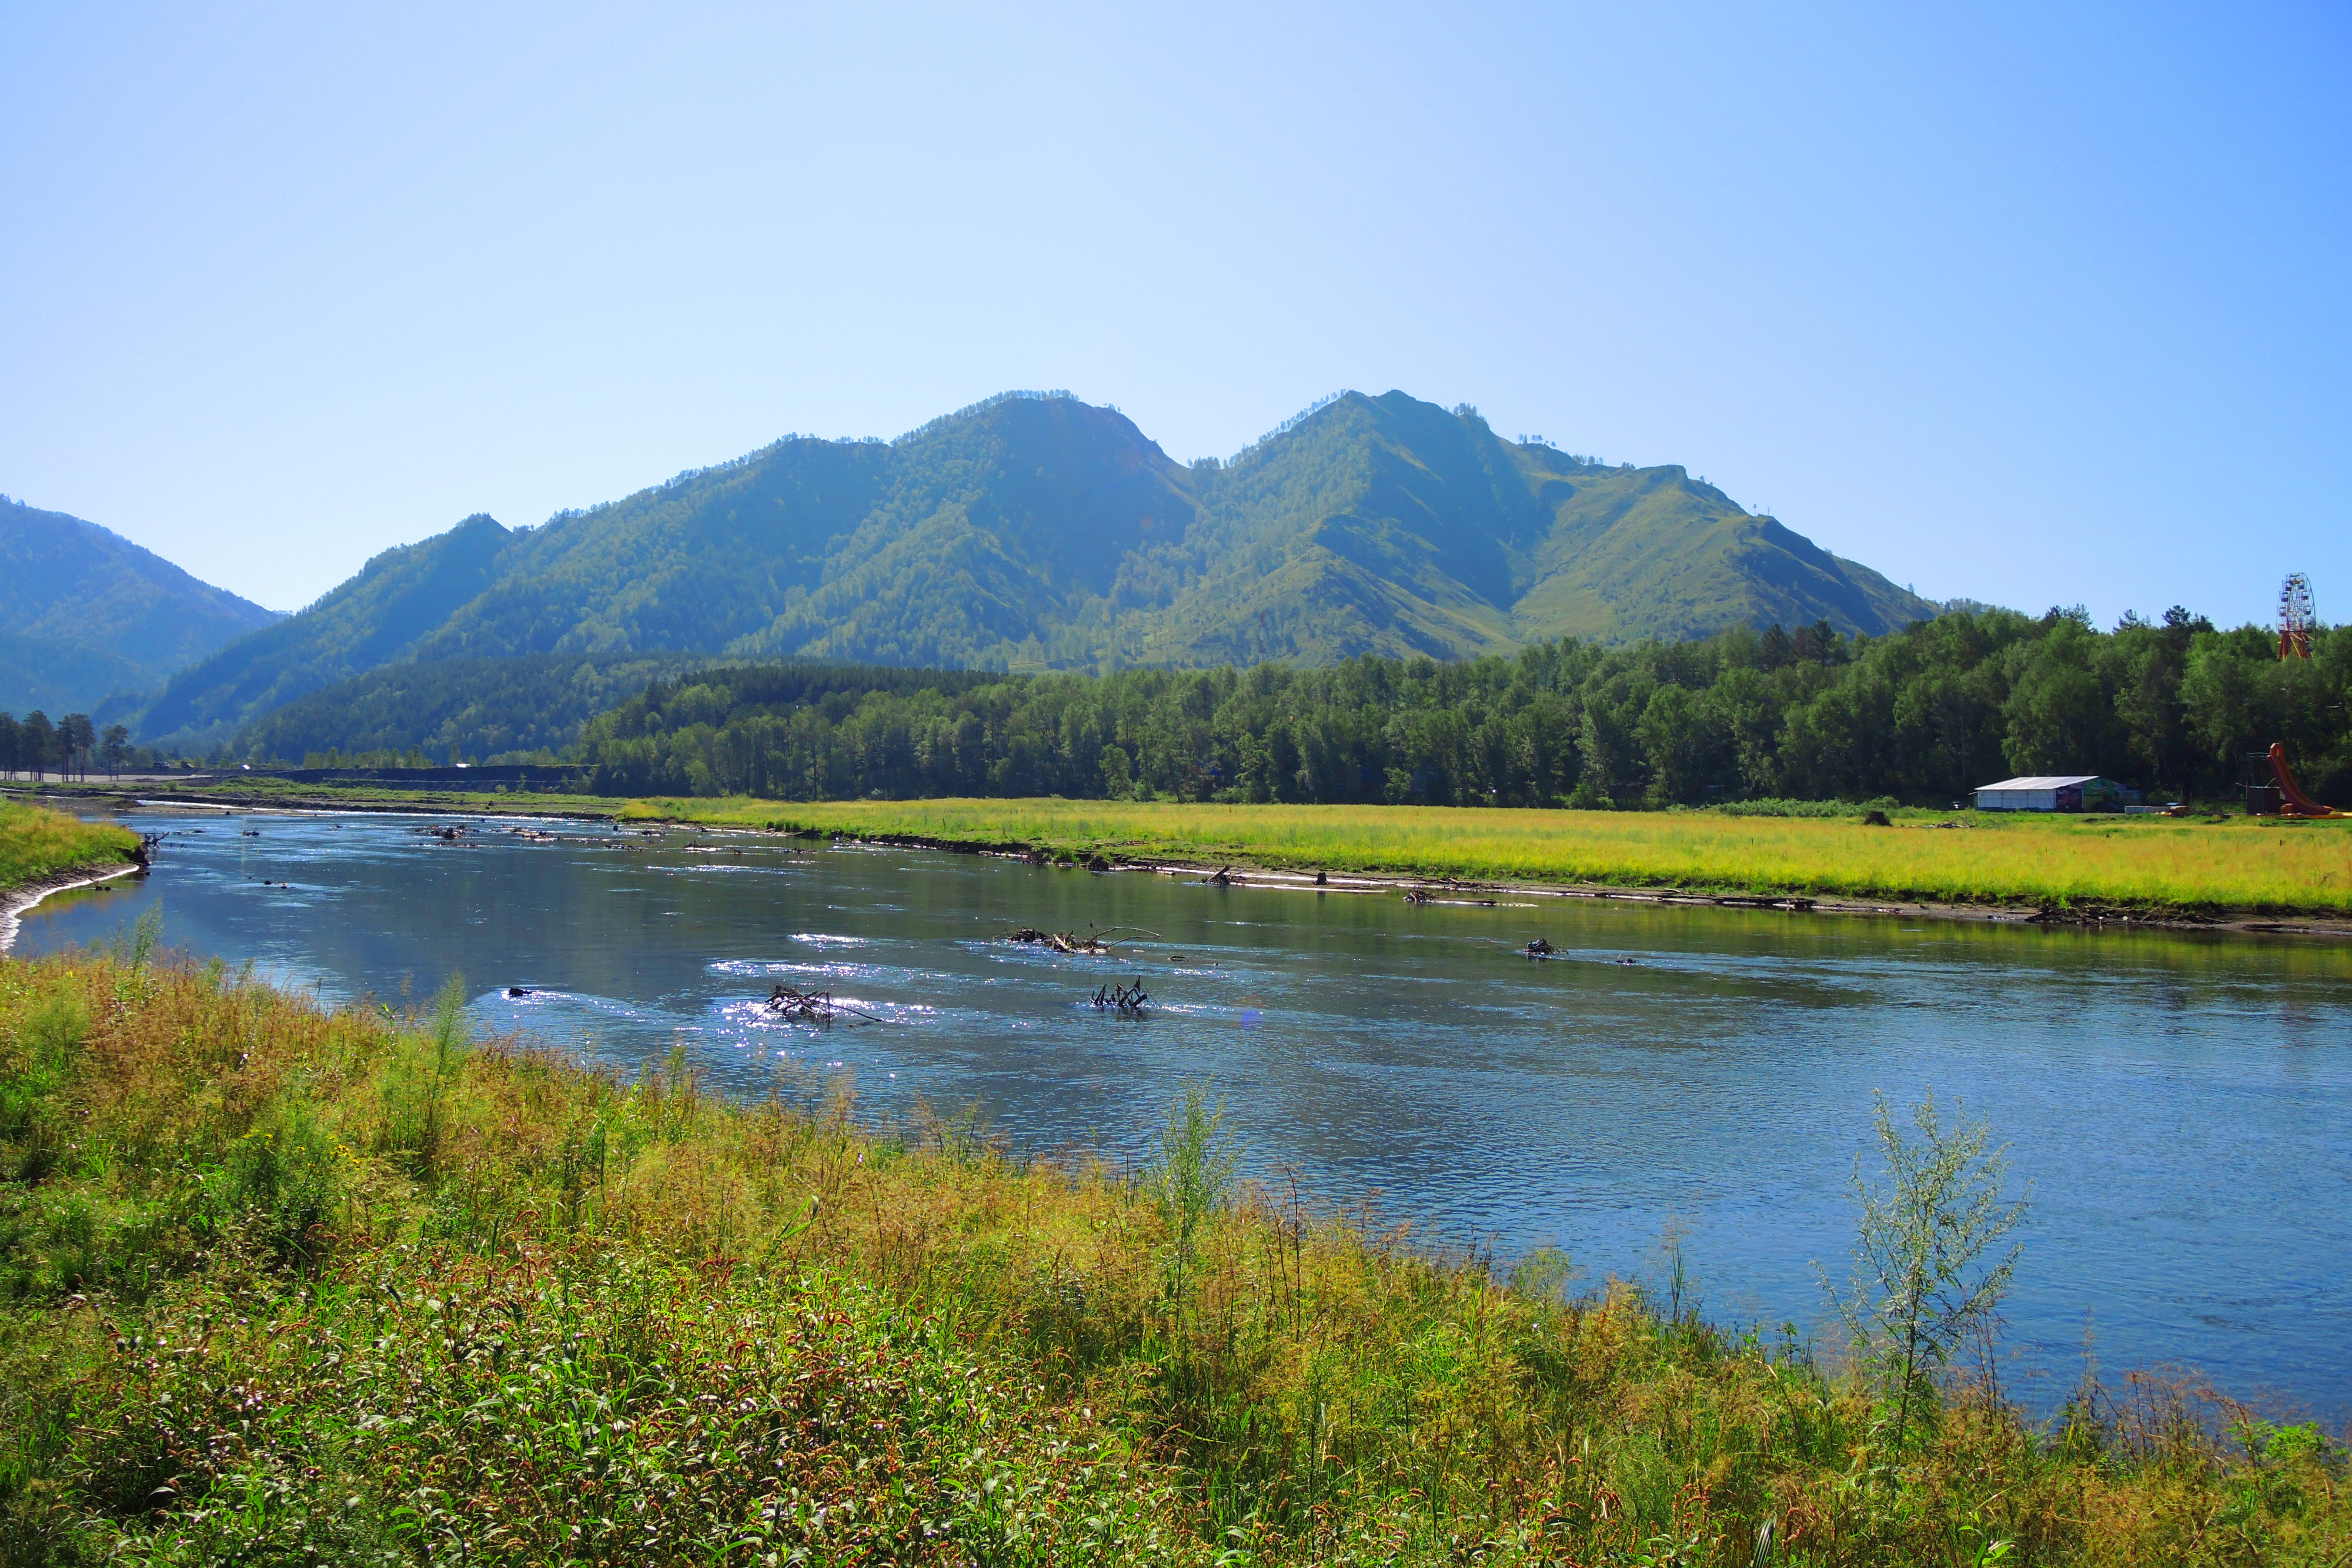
point(86, 614)
point(1040, 531)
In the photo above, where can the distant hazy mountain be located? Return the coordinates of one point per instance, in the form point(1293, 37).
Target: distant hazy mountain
point(1038, 531)
point(85, 614)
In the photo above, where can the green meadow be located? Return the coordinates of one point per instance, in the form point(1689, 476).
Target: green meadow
point(2211, 863)
point(37, 843)
point(2155, 862)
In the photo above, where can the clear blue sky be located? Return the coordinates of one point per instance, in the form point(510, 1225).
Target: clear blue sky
point(2029, 304)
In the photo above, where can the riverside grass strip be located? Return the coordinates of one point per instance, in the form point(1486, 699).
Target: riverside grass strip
point(2263, 865)
point(279, 1284)
point(2208, 865)
point(36, 844)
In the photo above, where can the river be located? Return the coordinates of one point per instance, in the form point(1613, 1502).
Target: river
point(1679, 1076)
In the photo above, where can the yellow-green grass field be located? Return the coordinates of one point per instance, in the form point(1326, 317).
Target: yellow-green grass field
point(2208, 864)
point(2230, 863)
point(38, 843)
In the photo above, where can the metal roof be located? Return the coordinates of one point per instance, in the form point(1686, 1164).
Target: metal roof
point(2049, 781)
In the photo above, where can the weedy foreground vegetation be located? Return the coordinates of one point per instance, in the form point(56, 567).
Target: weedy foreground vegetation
point(36, 843)
point(287, 1285)
point(2154, 862)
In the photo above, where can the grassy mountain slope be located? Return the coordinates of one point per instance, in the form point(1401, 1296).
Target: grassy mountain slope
point(1374, 526)
point(85, 612)
point(696, 563)
point(1002, 541)
point(1650, 552)
point(1387, 525)
point(1043, 532)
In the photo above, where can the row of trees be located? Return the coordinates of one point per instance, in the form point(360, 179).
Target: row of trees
point(68, 747)
point(1924, 715)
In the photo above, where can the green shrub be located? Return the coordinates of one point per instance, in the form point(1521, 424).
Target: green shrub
point(279, 1185)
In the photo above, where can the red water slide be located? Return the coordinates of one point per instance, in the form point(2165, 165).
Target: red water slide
point(2298, 804)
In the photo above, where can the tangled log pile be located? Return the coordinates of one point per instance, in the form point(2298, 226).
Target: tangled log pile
point(1095, 944)
point(790, 1001)
point(1128, 1001)
point(813, 1006)
point(1060, 941)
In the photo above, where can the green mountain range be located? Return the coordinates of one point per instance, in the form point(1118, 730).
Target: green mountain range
point(1035, 531)
point(86, 614)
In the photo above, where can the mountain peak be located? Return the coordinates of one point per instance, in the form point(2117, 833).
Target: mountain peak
point(1035, 531)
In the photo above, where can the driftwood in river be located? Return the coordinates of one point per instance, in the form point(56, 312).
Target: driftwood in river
point(1059, 941)
point(792, 1002)
point(814, 1007)
point(1128, 1001)
point(1436, 895)
point(1094, 943)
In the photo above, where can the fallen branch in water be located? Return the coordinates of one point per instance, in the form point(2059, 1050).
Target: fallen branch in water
point(792, 1002)
point(1430, 895)
point(1126, 1000)
point(814, 1007)
point(1093, 945)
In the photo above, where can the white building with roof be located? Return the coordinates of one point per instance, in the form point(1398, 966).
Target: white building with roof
point(2051, 793)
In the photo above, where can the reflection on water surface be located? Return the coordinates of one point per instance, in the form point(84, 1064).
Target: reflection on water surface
point(2180, 1103)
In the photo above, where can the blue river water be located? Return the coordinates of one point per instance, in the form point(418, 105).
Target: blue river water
point(2179, 1103)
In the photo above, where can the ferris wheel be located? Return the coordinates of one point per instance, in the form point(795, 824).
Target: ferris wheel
point(2297, 618)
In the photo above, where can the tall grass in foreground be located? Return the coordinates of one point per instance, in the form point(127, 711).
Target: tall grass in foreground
point(284, 1285)
point(36, 842)
point(2148, 862)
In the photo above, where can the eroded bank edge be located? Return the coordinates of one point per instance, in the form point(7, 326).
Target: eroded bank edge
point(17, 901)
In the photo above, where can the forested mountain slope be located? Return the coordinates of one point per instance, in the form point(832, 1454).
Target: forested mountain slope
point(1034, 532)
point(377, 618)
point(84, 612)
point(455, 710)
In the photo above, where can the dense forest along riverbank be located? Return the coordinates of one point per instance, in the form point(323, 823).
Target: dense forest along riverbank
point(2180, 1103)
